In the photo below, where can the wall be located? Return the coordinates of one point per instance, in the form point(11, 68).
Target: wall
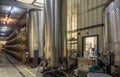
point(88, 18)
point(90, 21)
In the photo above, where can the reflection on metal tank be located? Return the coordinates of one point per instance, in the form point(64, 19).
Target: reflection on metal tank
point(112, 34)
point(41, 33)
point(33, 26)
point(53, 30)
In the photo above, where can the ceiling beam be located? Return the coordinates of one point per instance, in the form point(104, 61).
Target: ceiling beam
point(33, 1)
point(21, 17)
point(18, 4)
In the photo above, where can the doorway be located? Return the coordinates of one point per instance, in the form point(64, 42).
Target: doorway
point(90, 46)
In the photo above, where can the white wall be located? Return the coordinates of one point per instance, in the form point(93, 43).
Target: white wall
point(90, 14)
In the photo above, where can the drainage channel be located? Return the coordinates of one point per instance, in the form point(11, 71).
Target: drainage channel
point(14, 66)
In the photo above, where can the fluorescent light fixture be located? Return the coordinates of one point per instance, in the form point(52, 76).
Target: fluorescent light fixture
point(6, 18)
point(26, 1)
point(4, 29)
point(4, 22)
point(14, 9)
point(7, 21)
point(8, 8)
point(11, 11)
point(2, 34)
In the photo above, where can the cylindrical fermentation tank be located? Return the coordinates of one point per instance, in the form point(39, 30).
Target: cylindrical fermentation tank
point(33, 19)
point(53, 30)
point(41, 33)
point(112, 30)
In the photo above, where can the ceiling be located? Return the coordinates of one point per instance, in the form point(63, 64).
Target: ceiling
point(10, 18)
point(13, 14)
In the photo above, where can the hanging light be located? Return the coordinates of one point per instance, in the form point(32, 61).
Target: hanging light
point(2, 34)
point(4, 29)
point(3, 22)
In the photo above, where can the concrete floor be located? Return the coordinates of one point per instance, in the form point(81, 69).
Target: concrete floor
point(9, 67)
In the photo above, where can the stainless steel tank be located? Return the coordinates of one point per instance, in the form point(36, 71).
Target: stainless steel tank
point(53, 30)
point(112, 27)
point(33, 19)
